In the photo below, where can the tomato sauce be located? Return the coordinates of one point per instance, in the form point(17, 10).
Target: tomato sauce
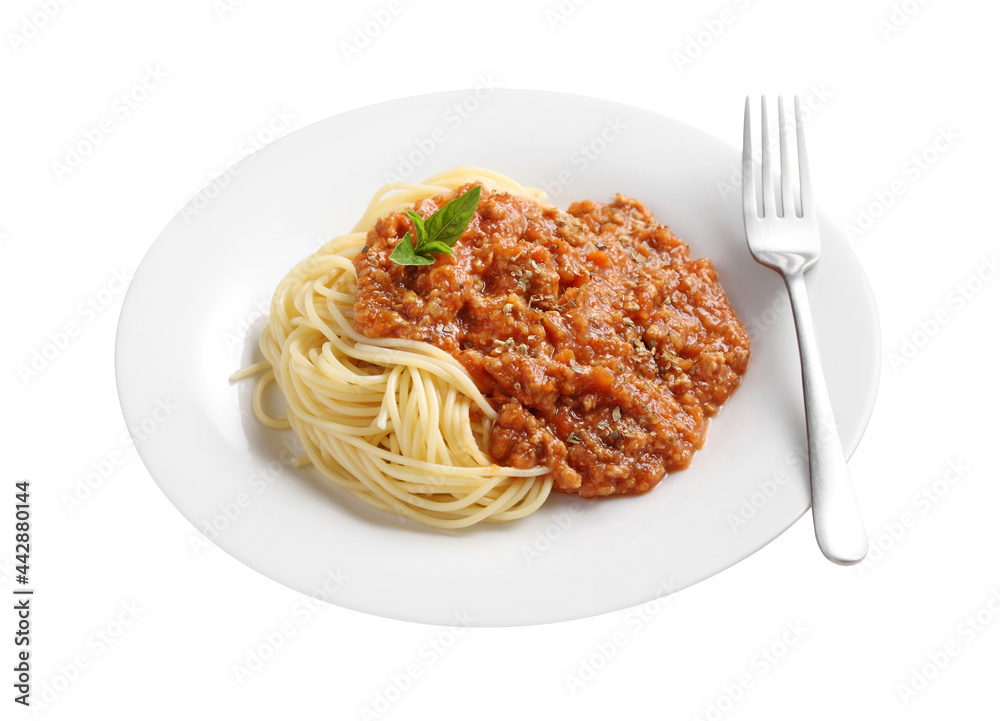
point(602, 345)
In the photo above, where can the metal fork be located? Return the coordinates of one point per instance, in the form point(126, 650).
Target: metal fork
point(789, 243)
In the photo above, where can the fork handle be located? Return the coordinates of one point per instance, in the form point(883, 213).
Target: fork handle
point(840, 531)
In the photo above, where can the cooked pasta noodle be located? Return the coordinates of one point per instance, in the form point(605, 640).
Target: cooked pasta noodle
point(397, 423)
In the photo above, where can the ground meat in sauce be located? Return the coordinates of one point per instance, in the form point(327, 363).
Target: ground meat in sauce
point(602, 345)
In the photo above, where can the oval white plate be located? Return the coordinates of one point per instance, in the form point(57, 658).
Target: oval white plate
point(183, 331)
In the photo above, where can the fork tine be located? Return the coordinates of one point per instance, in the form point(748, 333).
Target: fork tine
point(766, 178)
point(787, 200)
point(749, 195)
point(805, 184)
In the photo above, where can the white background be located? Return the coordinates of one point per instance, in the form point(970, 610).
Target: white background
point(805, 637)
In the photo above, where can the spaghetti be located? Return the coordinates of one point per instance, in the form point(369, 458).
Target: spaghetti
point(397, 423)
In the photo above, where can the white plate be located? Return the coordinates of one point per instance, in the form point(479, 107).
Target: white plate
point(183, 332)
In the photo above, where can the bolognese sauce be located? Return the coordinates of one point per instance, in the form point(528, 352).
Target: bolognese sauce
point(603, 346)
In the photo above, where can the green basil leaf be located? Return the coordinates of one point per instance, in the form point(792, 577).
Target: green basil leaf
point(403, 253)
point(448, 223)
point(418, 224)
point(435, 246)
